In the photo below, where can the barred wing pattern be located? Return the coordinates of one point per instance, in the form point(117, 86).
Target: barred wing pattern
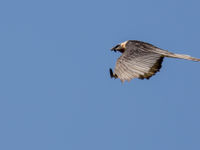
point(138, 63)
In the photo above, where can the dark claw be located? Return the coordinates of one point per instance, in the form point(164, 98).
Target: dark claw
point(111, 73)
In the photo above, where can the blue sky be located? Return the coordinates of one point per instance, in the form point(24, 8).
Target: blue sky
point(56, 92)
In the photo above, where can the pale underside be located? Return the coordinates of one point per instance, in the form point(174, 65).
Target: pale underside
point(137, 64)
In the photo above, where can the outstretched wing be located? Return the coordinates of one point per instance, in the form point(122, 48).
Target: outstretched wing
point(137, 63)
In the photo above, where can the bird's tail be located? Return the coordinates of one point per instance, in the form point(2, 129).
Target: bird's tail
point(173, 55)
point(182, 56)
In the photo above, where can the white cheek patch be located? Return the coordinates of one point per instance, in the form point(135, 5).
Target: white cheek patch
point(123, 45)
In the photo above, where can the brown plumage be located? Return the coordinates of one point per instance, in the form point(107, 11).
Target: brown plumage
point(140, 60)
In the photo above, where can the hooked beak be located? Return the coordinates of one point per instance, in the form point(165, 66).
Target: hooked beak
point(115, 48)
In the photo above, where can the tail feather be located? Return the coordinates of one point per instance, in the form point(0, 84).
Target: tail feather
point(173, 55)
point(182, 56)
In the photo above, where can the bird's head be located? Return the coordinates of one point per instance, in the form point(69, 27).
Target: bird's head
point(120, 47)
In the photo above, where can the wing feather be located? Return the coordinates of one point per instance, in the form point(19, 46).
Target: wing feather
point(137, 64)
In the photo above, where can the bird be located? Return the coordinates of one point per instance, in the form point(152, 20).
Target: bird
point(140, 60)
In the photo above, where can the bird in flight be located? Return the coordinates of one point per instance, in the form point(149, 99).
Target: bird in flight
point(140, 60)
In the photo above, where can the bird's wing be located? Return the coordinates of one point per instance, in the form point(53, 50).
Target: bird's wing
point(137, 63)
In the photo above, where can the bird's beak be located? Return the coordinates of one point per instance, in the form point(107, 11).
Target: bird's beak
point(115, 48)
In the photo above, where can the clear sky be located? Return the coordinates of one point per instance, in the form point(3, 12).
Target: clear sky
point(55, 89)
